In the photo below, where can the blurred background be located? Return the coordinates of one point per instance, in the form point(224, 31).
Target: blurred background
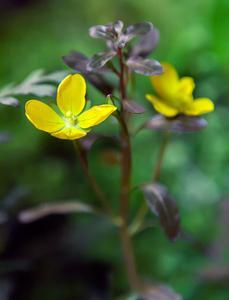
point(78, 256)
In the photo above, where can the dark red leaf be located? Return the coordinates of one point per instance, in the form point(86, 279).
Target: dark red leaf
point(164, 207)
point(79, 62)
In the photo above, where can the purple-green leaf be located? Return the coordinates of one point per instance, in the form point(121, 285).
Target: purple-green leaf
point(118, 26)
point(99, 60)
point(8, 100)
point(78, 62)
point(110, 31)
point(133, 107)
point(146, 44)
point(101, 31)
point(180, 124)
point(158, 292)
point(137, 29)
point(33, 214)
point(145, 67)
point(164, 207)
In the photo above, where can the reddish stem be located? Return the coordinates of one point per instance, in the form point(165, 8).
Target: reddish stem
point(125, 187)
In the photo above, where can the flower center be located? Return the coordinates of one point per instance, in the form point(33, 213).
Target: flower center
point(70, 119)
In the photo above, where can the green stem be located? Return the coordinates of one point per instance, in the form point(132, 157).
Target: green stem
point(157, 170)
point(91, 180)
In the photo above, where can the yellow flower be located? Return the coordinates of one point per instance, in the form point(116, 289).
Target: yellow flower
point(175, 95)
point(71, 123)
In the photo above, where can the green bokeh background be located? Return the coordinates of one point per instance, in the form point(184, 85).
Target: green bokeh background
point(194, 38)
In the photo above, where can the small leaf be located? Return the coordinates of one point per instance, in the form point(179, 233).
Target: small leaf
point(100, 83)
point(6, 90)
point(34, 214)
point(102, 31)
point(137, 29)
point(118, 26)
point(88, 141)
point(8, 100)
point(180, 124)
point(56, 76)
point(146, 44)
point(158, 292)
point(99, 60)
point(109, 32)
point(78, 62)
point(40, 90)
point(33, 84)
point(114, 101)
point(133, 107)
point(164, 207)
point(145, 67)
point(33, 77)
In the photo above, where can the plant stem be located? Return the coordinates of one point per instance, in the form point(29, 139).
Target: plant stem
point(125, 187)
point(125, 168)
point(91, 180)
point(157, 170)
point(121, 78)
point(137, 223)
point(112, 67)
point(129, 259)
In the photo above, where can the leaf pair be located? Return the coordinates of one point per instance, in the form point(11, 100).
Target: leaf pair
point(116, 38)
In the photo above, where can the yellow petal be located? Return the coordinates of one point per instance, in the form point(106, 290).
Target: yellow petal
point(69, 133)
point(95, 115)
point(71, 95)
point(162, 107)
point(200, 106)
point(186, 86)
point(167, 83)
point(42, 116)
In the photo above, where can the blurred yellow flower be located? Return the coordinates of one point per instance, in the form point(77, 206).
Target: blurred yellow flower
point(71, 123)
point(175, 95)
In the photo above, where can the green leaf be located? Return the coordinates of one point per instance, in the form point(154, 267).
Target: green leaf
point(114, 101)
